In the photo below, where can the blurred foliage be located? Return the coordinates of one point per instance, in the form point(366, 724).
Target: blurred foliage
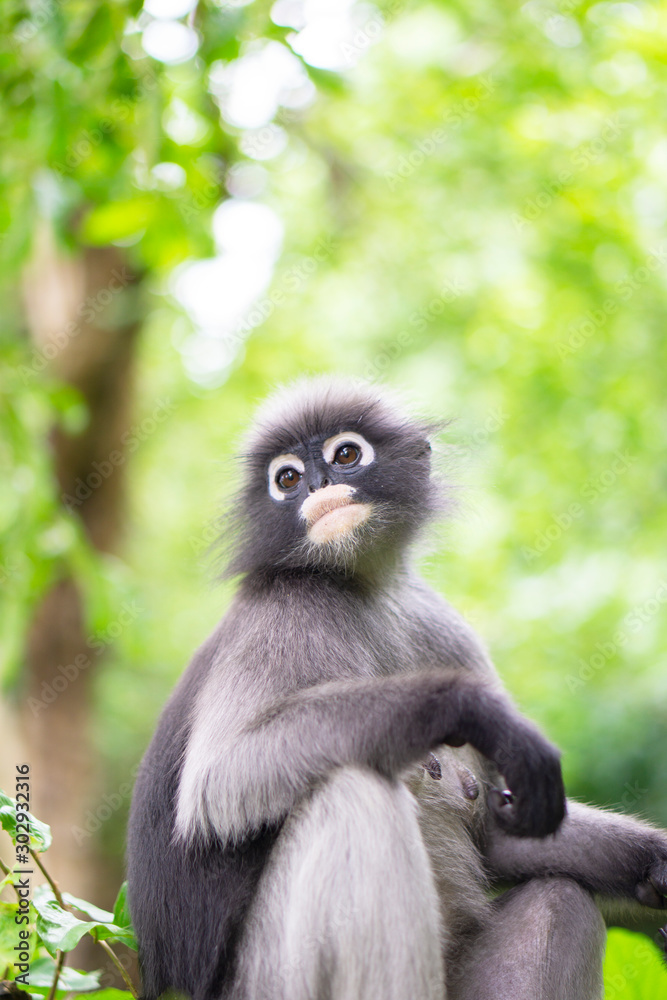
point(38, 931)
point(488, 183)
point(633, 968)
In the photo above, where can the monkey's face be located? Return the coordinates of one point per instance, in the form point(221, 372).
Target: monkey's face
point(337, 478)
point(325, 485)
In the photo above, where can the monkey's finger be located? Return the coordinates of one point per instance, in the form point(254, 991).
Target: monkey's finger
point(506, 817)
point(538, 806)
point(524, 824)
point(647, 894)
point(500, 803)
point(499, 807)
point(500, 800)
point(522, 818)
point(657, 877)
point(663, 933)
point(514, 817)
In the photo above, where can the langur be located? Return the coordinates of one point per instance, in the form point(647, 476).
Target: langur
point(339, 778)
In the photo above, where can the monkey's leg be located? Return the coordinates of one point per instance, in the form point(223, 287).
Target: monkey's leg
point(545, 941)
point(347, 907)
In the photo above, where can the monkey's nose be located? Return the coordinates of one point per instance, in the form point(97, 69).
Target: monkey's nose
point(324, 482)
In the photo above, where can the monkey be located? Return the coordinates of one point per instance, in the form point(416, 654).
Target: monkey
point(339, 791)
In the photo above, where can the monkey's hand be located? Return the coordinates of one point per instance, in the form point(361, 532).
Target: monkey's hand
point(531, 768)
point(651, 890)
point(529, 763)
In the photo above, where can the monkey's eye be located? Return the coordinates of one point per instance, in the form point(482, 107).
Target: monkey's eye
point(288, 478)
point(347, 454)
point(348, 449)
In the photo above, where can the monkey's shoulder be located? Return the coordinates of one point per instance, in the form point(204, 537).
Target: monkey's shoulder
point(438, 634)
point(309, 628)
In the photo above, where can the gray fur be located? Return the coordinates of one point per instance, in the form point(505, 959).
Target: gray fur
point(328, 904)
point(612, 855)
point(545, 941)
point(232, 781)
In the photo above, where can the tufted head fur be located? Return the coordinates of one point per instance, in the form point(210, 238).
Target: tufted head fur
point(336, 476)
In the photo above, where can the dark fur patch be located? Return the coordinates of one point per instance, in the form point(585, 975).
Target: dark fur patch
point(259, 532)
point(187, 903)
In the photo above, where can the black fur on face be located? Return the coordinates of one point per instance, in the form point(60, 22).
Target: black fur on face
point(267, 526)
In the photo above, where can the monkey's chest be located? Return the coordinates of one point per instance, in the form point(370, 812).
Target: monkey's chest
point(450, 787)
point(451, 796)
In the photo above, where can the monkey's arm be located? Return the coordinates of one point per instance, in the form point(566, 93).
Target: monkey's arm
point(236, 777)
point(608, 853)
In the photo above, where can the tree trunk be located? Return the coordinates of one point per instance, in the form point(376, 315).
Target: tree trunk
point(82, 317)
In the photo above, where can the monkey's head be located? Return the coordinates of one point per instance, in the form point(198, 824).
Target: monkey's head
point(337, 477)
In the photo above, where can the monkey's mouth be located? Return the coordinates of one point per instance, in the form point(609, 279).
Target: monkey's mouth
point(331, 513)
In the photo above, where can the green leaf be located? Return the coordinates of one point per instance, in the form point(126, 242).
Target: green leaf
point(7, 880)
point(58, 929)
point(40, 833)
point(634, 968)
point(61, 930)
point(121, 910)
point(122, 918)
point(118, 220)
point(97, 34)
point(42, 971)
point(105, 916)
point(110, 994)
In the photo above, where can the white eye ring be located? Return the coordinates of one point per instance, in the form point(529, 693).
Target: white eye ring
point(275, 466)
point(331, 445)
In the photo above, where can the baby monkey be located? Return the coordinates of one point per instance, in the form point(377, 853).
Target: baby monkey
point(339, 775)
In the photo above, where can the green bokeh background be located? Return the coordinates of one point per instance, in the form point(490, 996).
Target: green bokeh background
point(490, 182)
